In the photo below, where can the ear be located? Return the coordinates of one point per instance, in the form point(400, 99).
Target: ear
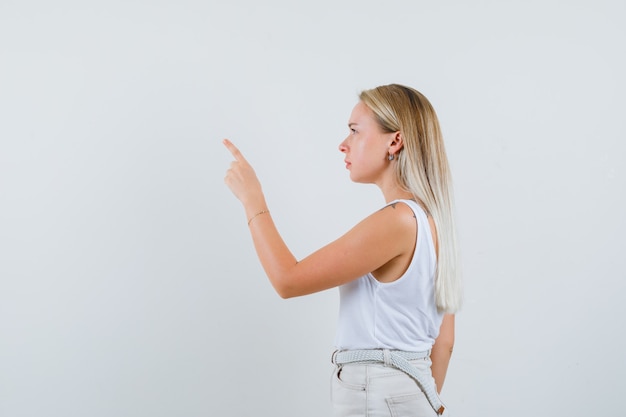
point(396, 144)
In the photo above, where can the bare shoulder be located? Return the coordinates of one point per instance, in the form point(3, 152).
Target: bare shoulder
point(398, 221)
point(392, 227)
point(381, 243)
point(399, 212)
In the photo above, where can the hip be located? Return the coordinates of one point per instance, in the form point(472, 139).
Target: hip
point(373, 389)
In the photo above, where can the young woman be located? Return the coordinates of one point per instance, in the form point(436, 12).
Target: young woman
point(396, 269)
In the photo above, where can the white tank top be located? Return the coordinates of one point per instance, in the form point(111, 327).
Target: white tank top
point(399, 315)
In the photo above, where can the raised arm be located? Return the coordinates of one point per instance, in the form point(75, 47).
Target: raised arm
point(442, 350)
point(372, 243)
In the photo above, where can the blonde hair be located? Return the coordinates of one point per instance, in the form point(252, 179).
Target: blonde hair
point(422, 169)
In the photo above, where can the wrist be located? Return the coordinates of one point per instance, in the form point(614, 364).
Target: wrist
point(255, 215)
point(255, 206)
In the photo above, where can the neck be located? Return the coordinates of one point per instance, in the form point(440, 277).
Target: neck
point(395, 192)
point(390, 188)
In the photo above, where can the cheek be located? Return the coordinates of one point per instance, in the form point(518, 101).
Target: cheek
point(361, 149)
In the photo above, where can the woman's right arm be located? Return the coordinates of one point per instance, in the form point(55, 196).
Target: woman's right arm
point(381, 237)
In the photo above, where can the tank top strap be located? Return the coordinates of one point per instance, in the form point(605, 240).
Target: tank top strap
point(423, 225)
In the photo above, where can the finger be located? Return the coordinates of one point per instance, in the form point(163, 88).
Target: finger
point(233, 150)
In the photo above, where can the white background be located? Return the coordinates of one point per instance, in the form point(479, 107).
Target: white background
point(128, 282)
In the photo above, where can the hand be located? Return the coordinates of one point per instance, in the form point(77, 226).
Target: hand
point(243, 182)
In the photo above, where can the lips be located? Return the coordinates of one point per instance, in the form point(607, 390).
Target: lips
point(347, 164)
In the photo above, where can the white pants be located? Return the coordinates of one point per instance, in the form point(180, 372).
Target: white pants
point(376, 390)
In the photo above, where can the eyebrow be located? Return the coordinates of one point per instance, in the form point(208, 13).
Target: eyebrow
point(352, 124)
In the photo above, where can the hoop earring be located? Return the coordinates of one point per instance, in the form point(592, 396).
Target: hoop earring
point(390, 157)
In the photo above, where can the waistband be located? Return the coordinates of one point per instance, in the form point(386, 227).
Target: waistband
point(397, 359)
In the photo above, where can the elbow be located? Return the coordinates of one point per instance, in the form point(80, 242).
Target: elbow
point(447, 341)
point(283, 290)
point(446, 344)
point(443, 346)
point(286, 291)
point(287, 284)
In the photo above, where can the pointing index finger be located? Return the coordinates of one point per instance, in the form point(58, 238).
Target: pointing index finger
point(233, 150)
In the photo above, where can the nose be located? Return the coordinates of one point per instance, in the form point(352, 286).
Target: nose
point(343, 147)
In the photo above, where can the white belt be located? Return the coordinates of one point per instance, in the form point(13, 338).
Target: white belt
point(397, 359)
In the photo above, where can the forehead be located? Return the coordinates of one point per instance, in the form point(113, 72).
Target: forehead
point(361, 114)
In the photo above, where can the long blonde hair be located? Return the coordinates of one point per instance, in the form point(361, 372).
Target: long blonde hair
point(422, 170)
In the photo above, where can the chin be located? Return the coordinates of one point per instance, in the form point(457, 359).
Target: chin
point(358, 180)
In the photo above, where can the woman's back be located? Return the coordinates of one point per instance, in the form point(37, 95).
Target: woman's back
point(401, 314)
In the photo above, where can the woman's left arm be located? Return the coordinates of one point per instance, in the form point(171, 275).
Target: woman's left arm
point(442, 350)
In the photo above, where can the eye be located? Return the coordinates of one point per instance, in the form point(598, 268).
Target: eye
point(352, 131)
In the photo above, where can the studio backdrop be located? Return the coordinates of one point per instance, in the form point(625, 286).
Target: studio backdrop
point(128, 281)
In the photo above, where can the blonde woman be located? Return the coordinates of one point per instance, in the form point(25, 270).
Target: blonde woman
point(396, 269)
